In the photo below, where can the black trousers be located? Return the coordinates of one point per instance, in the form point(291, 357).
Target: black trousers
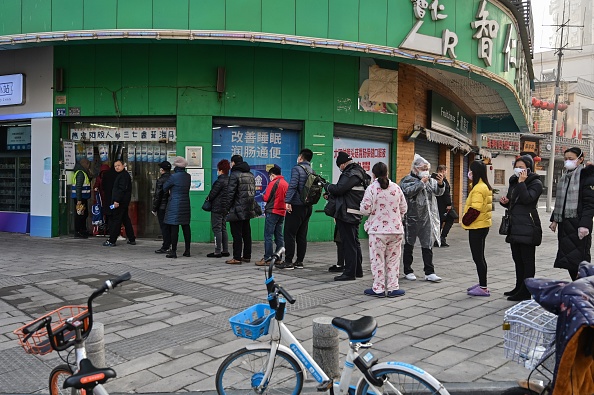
point(445, 228)
point(241, 231)
point(476, 239)
point(120, 216)
point(174, 231)
point(296, 225)
point(80, 221)
point(407, 259)
point(351, 248)
point(339, 251)
point(524, 257)
point(165, 232)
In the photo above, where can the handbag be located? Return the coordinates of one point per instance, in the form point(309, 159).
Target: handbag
point(257, 209)
point(207, 205)
point(470, 216)
point(452, 214)
point(504, 228)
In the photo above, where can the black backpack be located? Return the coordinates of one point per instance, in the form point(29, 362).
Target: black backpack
point(313, 189)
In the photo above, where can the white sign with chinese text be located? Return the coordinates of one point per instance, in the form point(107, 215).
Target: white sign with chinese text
point(124, 134)
point(197, 179)
point(366, 153)
point(11, 89)
point(69, 155)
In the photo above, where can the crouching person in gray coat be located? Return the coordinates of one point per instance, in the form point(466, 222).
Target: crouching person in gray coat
point(178, 208)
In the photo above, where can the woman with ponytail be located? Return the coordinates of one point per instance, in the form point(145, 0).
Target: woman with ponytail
point(385, 205)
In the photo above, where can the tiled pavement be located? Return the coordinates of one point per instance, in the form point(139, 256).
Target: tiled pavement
point(167, 329)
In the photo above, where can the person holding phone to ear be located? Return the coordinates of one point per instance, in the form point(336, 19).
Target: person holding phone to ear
point(573, 213)
point(525, 232)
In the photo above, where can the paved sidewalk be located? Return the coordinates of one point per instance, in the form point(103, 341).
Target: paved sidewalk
point(167, 329)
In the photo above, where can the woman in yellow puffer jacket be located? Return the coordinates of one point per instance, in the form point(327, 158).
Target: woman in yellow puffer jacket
point(477, 220)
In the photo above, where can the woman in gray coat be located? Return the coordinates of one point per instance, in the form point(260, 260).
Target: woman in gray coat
point(178, 207)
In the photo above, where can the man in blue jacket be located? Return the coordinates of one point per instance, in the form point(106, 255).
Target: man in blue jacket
point(298, 214)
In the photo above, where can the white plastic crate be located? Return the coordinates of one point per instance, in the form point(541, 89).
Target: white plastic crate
point(529, 332)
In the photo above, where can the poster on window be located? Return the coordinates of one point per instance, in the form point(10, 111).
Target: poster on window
point(260, 148)
point(378, 88)
point(366, 153)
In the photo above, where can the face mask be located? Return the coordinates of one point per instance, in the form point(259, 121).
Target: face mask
point(518, 170)
point(470, 175)
point(424, 174)
point(570, 164)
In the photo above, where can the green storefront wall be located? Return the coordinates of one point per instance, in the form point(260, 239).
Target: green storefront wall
point(168, 79)
point(373, 22)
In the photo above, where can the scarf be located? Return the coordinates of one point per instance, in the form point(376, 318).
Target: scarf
point(568, 194)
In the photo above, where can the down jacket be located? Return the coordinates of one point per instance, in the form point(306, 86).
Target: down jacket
point(218, 194)
point(178, 208)
point(422, 218)
point(573, 302)
point(480, 198)
point(522, 208)
point(348, 192)
point(296, 183)
point(160, 198)
point(571, 249)
point(240, 193)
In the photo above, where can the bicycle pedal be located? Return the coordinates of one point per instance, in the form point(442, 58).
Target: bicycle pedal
point(325, 386)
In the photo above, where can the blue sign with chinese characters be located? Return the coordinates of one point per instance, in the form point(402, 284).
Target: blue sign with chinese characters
point(260, 148)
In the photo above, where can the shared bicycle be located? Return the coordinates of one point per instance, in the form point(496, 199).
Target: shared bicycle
point(274, 367)
point(62, 329)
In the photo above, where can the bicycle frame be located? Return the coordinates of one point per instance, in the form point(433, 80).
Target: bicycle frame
point(278, 331)
point(80, 352)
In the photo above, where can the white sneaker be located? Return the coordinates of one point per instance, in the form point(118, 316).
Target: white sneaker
point(121, 238)
point(433, 278)
point(410, 276)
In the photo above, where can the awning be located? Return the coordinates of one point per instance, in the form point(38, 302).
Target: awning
point(441, 138)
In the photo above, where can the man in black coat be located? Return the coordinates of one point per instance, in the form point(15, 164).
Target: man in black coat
point(444, 205)
point(348, 193)
point(120, 200)
point(160, 205)
point(240, 207)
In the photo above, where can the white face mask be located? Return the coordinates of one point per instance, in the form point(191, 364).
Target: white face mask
point(424, 173)
point(518, 170)
point(570, 164)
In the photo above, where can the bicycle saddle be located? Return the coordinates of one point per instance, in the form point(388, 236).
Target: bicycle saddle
point(361, 330)
point(89, 376)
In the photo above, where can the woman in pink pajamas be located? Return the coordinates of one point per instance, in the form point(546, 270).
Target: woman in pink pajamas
point(385, 204)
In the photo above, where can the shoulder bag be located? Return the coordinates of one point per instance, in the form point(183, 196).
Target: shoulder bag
point(504, 228)
point(207, 205)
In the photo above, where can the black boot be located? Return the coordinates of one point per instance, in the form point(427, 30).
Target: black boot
point(172, 254)
point(187, 253)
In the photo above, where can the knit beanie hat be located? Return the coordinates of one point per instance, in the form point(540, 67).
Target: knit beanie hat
point(342, 157)
point(180, 161)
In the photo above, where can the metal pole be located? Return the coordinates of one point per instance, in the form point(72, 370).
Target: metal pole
point(554, 132)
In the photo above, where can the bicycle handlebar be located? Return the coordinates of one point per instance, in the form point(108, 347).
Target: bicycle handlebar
point(271, 286)
point(46, 322)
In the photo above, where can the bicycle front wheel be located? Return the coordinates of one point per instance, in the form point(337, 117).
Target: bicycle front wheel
point(399, 381)
point(243, 371)
point(56, 381)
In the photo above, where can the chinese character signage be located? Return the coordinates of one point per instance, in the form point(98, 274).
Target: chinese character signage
point(11, 90)
point(260, 148)
point(486, 32)
point(18, 138)
point(116, 134)
point(366, 153)
point(503, 145)
point(447, 117)
point(444, 45)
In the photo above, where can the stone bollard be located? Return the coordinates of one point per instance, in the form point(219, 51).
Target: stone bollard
point(325, 346)
point(95, 346)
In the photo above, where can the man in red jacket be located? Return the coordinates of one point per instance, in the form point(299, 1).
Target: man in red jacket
point(275, 213)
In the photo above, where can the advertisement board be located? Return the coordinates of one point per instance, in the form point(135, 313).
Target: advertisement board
point(366, 153)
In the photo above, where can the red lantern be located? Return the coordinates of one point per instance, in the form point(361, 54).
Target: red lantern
point(536, 102)
point(550, 106)
point(562, 107)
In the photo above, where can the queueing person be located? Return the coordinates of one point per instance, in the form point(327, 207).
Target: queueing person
point(121, 195)
point(348, 193)
point(298, 213)
point(81, 193)
point(444, 204)
point(218, 200)
point(274, 196)
point(573, 212)
point(525, 232)
point(160, 199)
point(422, 219)
point(477, 220)
point(240, 208)
point(178, 207)
point(385, 205)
